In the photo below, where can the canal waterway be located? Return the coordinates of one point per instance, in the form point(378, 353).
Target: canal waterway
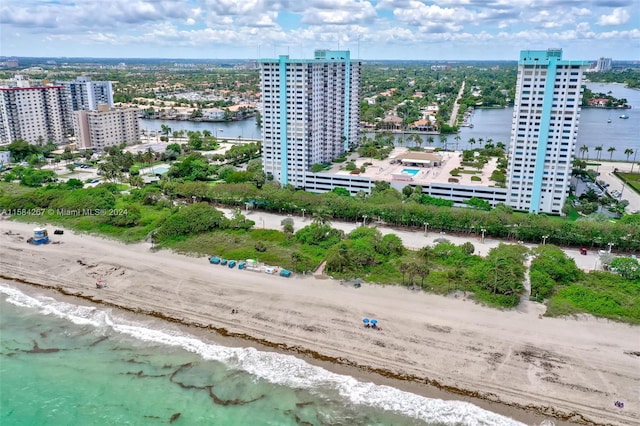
point(495, 124)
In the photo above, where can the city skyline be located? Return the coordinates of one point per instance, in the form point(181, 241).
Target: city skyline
point(370, 29)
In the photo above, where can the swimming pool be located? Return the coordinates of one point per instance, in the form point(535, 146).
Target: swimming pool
point(412, 172)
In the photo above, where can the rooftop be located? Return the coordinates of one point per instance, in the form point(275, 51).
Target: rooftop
point(420, 168)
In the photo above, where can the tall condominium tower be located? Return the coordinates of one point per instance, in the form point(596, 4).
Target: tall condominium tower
point(85, 95)
point(310, 112)
point(34, 114)
point(544, 130)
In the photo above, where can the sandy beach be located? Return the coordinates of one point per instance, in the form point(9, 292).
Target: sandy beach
point(535, 367)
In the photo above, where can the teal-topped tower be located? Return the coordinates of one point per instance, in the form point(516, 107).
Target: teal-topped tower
point(544, 131)
point(310, 112)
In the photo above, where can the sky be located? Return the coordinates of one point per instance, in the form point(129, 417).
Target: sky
point(371, 29)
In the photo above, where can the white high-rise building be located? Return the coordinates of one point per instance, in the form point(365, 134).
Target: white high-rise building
point(33, 114)
point(603, 64)
point(85, 95)
point(544, 130)
point(310, 112)
point(106, 127)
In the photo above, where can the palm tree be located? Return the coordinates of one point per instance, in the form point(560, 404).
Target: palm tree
point(628, 152)
point(412, 269)
point(423, 272)
point(322, 217)
point(403, 268)
point(457, 138)
point(430, 140)
point(584, 149)
point(148, 158)
point(610, 151)
point(472, 141)
point(480, 141)
point(443, 141)
point(425, 253)
point(598, 149)
point(136, 181)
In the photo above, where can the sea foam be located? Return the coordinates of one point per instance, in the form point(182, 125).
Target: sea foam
point(273, 367)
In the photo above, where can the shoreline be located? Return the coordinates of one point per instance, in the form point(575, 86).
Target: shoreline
point(420, 386)
point(405, 359)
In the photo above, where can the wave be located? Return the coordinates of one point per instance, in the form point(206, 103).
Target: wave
point(279, 369)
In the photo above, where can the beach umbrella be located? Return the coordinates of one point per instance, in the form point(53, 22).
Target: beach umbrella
point(366, 320)
point(374, 321)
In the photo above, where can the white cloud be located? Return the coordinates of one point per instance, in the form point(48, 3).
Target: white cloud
point(418, 13)
point(338, 12)
point(618, 16)
point(397, 27)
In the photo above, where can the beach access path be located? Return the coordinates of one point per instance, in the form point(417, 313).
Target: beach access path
point(570, 365)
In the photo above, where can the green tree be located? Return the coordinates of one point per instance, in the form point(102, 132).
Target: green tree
point(598, 149)
point(584, 150)
point(611, 150)
point(626, 267)
point(628, 152)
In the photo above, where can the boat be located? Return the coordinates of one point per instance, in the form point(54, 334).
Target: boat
point(624, 116)
point(609, 121)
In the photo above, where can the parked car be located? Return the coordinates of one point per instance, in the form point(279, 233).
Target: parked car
point(232, 263)
point(58, 232)
point(583, 250)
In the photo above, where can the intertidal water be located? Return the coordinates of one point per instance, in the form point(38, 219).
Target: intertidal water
point(68, 364)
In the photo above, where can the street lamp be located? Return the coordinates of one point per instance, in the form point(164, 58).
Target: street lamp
point(193, 197)
point(544, 239)
point(426, 226)
point(303, 210)
point(364, 220)
point(483, 230)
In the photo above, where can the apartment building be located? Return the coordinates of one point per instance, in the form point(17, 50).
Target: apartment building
point(84, 94)
point(106, 127)
point(310, 112)
point(544, 130)
point(34, 114)
point(603, 65)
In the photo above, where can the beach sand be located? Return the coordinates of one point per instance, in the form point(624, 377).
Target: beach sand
point(535, 367)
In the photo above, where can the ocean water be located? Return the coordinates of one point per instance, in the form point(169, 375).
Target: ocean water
point(66, 364)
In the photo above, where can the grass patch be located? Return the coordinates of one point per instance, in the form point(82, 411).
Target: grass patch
point(632, 180)
point(13, 188)
point(601, 294)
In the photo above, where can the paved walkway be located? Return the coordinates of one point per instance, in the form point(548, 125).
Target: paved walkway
point(413, 239)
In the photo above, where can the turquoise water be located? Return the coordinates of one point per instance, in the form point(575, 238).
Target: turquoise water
point(411, 171)
point(64, 364)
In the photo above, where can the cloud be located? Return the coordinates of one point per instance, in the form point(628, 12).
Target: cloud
point(338, 12)
point(618, 16)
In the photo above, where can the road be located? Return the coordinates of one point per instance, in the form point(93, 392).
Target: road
point(412, 239)
point(456, 106)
